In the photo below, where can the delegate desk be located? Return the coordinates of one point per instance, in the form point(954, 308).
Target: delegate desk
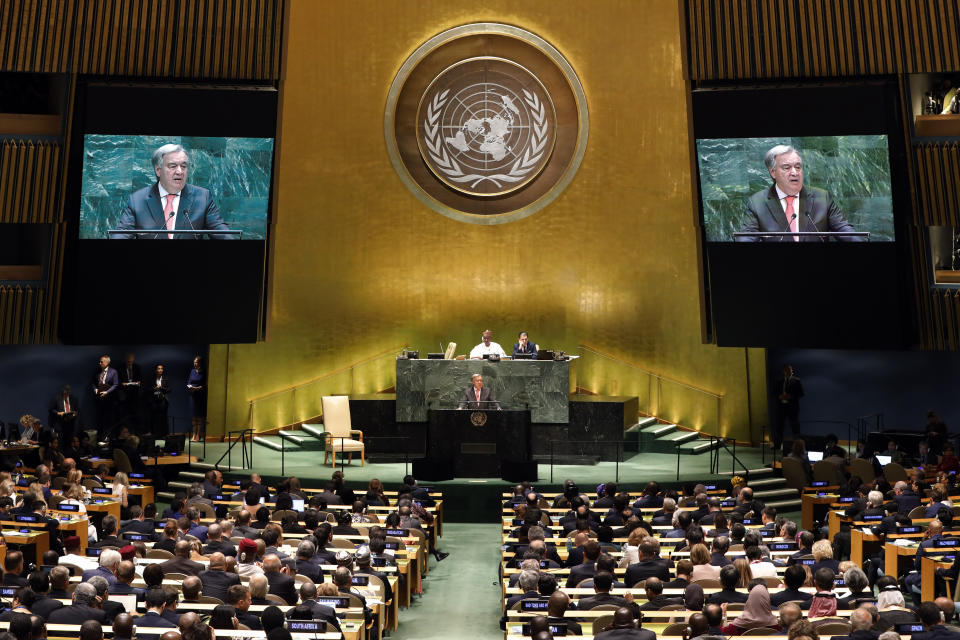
point(476, 443)
point(542, 386)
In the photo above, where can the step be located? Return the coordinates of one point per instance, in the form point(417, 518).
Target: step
point(699, 446)
point(192, 475)
point(775, 493)
point(315, 430)
point(301, 439)
point(178, 484)
point(270, 442)
point(785, 505)
point(767, 483)
point(643, 423)
point(680, 437)
point(164, 496)
point(762, 471)
point(658, 430)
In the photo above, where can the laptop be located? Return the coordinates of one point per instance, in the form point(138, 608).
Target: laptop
point(814, 456)
point(129, 602)
point(298, 504)
point(545, 354)
point(884, 460)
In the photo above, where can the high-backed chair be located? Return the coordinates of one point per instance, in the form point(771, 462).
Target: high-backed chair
point(863, 469)
point(794, 473)
point(121, 462)
point(338, 430)
point(826, 471)
point(894, 473)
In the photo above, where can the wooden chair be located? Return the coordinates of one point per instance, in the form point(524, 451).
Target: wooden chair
point(736, 606)
point(209, 600)
point(601, 623)
point(794, 473)
point(832, 627)
point(205, 510)
point(917, 512)
point(338, 430)
point(862, 468)
point(826, 471)
point(277, 600)
point(159, 554)
point(772, 582)
point(90, 483)
point(283, 513)
point(75, 570)
point(175, 576)
point(759, 631)
point(674, 629)
point(894, 473)
point(709, 583)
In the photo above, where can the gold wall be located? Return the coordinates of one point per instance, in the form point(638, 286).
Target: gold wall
point(360, 266)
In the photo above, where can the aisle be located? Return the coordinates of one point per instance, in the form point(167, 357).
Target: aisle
point(461, 594)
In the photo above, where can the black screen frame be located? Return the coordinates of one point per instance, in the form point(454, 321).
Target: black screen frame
point(161, 291)
point(832, 295)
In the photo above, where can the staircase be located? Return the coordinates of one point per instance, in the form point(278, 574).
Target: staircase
point(772, 489)
point(650, 435)
point(308, 438)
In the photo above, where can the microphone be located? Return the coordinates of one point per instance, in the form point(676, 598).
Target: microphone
point(186, 214)
point(807, 213)
point(789, 222)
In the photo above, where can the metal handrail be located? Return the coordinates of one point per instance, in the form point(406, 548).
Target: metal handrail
point(243, 434)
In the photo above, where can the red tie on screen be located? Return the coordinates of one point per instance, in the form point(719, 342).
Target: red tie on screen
point(478, 395)
point(167, 210)
point(66, 405)
point(792, 219)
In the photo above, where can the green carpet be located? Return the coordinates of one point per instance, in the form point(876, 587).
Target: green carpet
point(461, 595)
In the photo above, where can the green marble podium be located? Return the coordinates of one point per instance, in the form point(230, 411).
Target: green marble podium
point(543, 386)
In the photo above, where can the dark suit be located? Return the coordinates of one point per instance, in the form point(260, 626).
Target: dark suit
point(216, 582)
point(468, 399)
point(788, 595)
point(249, 619)
point(937, 632)
point(145, 527)
point(223, 546)
point(124, 589)
point(108, 541)
point(859, 634)
point(322, 612)
point(658, 602)
point(816, 212)
point(528, 348)
point(787, 412)
point(580, 573)
point(77, 614)
point(726, 595)
point(158, 390)
point(283, 586)
point(197, 210)
point(312, 571)
point(151, 619)
point(645, 569)
point(906, 501)
point(100, 571)
point(104, 405)
point(66, 424)
point(112, 608)
point(626, 634)
point(589, 602)
point(13, 580)
point(44, 606)
point(182, 565)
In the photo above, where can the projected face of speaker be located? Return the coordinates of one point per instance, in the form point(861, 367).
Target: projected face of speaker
point(172, 172)
point(788, 173)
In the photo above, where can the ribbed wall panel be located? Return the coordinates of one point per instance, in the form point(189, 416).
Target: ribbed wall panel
point(29, 180)
point(749, 39)
point(199, 39)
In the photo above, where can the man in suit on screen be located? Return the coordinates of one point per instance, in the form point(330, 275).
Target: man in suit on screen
point(171, 204)
point(477, 396)
point(790, 206)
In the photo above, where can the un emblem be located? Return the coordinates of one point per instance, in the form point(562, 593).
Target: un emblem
point(486, 126)
point(486, 123)
point(478, 418)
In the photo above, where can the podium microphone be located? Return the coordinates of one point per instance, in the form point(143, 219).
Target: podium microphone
point(807, 213)
point(789, 222)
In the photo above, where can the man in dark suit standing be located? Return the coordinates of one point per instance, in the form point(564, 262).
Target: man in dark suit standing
point(476, 396)
point(216, 581)
point(788, 390)
point(63, 414)
point(105, 384)
point(170, 204)
point(131, 383)
point(789, 206)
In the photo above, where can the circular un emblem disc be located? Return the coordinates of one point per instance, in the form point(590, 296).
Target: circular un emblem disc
point(486, 123)
point(486, 126)
point(478, 418)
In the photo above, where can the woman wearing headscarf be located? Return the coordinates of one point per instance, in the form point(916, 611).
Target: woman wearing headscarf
point(693, 597)
point(756, 613)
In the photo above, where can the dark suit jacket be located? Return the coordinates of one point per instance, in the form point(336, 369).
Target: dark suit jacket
point(907, 501)
point(100, 571)
point(468, 399)
point(645, 569)
point(111, 382)
point(529, 348)
point(44, 606)
point(816, 212)
point(726, 595)
point(216, 583)
point(223, 546)
point(108, 541)
point(249, 619)
point(182, 565)
point(787, 595)
point(589, 602)
point(197, 210)
point(658, 602)
point(152, 619)
point(123, 589)
point(283, 586)
point(13, 580)
point(309, 569)
point(580, 572)
point(112, 608)
point(139, 526)
point(626, 634)
point(322, 612)
point(860, 634)
point(77, 614)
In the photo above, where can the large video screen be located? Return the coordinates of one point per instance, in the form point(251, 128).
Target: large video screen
point(169, 201)
point(841, 185)
point(799, 185)
point(217, 184)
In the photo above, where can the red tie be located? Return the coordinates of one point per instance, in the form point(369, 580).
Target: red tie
point(478, 395)
point(167, 210)
point(792, 218)
point(66, 405)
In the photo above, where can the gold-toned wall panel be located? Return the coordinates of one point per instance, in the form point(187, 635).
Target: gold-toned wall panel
point(745, 39)
point(361, 266)
point(231, 39)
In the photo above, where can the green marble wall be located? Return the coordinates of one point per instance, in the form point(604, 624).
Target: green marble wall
point(854, 169)
point(235, 170)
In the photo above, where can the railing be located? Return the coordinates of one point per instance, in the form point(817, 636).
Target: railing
point(866, 424)
point(702, 408)
point(842, 423)
point(302, 401)
point(245, 438)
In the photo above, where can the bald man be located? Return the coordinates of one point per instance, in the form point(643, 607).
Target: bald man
point(556, 608)
point(216, 581)
point(280, 583)
point(623, 627)
point(181, 562)
point(123, 627)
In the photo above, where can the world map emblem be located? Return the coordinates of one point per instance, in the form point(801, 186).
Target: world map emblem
point(486, 123)
point(486, 126)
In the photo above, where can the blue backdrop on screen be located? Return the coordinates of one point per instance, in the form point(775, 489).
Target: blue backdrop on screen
point(855, 169)
point(236, 171)
point(34, 374)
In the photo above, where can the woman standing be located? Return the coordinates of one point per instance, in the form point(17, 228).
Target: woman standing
point(197, 392)
point(121, 489)
point(159, 402)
